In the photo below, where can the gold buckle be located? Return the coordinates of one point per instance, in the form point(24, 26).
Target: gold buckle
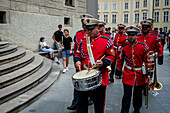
point(133, 69)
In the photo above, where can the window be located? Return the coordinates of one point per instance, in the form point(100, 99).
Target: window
point(125, 18)
point(99, 17)
point(144, 3)
point(105, 6)
point(114, 18)
point(67, 21)
point(166, 2)
point(156, 3)
point(137, 18)
point(3, 17)
point(106, 18)
point(126, 5)
point(114, 6)
point(144, 16)
point(166, 14)
point(137, 5)
point(98, 7)
point(165, 29)
point(69, 3)
point(156, 16)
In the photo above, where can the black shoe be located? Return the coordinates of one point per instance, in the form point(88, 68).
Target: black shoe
point(90, 102)
point(111, 79)
point(136, 111)
point(72, 107)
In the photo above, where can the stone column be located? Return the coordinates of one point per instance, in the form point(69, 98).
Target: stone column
point(92, 7)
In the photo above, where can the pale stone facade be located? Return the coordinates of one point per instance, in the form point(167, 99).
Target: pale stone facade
point(131, 12)
point(28, 20)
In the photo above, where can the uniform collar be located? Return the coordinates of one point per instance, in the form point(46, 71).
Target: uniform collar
point(146, 35)
point(120, 34)
point(134, 44)
point(93, 39)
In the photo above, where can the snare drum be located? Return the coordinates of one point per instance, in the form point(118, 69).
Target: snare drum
point(86, 82)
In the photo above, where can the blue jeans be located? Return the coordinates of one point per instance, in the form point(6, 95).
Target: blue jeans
point(57, 46)
point(47, 50)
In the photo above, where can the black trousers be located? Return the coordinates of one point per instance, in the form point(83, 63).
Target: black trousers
point(169, 46)
point(113, 68)
point(113, 65)
point(163, 42)
point(98, 96)
point(137, 98)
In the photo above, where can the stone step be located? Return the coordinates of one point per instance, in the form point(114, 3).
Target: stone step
point(8, 50)
point(3, 44)
point(13, 56)
point(26, 84)
point(17, 104)
point(17, 64)
point(21, 73)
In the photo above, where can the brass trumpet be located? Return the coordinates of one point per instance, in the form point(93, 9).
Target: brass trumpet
point(155, 85)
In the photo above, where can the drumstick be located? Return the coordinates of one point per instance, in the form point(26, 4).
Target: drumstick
point(79, 67)
point(94, 65)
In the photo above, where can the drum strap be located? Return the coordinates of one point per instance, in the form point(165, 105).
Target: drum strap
point(90, 50)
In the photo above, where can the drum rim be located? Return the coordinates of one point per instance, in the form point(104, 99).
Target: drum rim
point(84, 78)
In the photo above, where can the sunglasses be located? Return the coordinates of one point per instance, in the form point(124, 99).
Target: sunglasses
point(145, 26)
point(101, 25)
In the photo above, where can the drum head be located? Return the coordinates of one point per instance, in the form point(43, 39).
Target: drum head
point(82, 74)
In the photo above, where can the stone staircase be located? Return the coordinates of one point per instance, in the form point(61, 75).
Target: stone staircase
point(24, 77)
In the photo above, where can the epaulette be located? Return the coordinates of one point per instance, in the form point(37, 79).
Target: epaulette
point(124, 44)
point(125, 34)
point(142, 43)
point(105, 37)
point(79, 31)
point(139, 34)
point(153, 34)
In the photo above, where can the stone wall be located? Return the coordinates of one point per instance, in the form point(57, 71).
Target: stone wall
point(28, 20)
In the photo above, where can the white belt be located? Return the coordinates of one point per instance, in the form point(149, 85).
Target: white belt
point(133, 69)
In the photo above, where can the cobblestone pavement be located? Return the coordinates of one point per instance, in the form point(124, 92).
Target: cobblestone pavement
point(61, 94)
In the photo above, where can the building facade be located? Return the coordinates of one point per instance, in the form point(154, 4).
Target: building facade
point(23, 22)
point(131, 12)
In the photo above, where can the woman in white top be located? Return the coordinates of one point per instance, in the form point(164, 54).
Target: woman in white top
point(45, 48)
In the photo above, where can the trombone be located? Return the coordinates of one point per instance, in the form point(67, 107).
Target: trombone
point(154, 85)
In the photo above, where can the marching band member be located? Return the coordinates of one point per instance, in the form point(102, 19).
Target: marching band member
point(100, 46)
point(153, 41)
point(152, 30)
point(101, 29)
point(134, 54)
point(77, 39)
point(120, 38)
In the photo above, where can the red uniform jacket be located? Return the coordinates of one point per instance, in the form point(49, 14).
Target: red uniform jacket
point(119, 40)
point(134, 57)
point(154, 32)
point(153, 41)
point(100, 46)
point(77, 39)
